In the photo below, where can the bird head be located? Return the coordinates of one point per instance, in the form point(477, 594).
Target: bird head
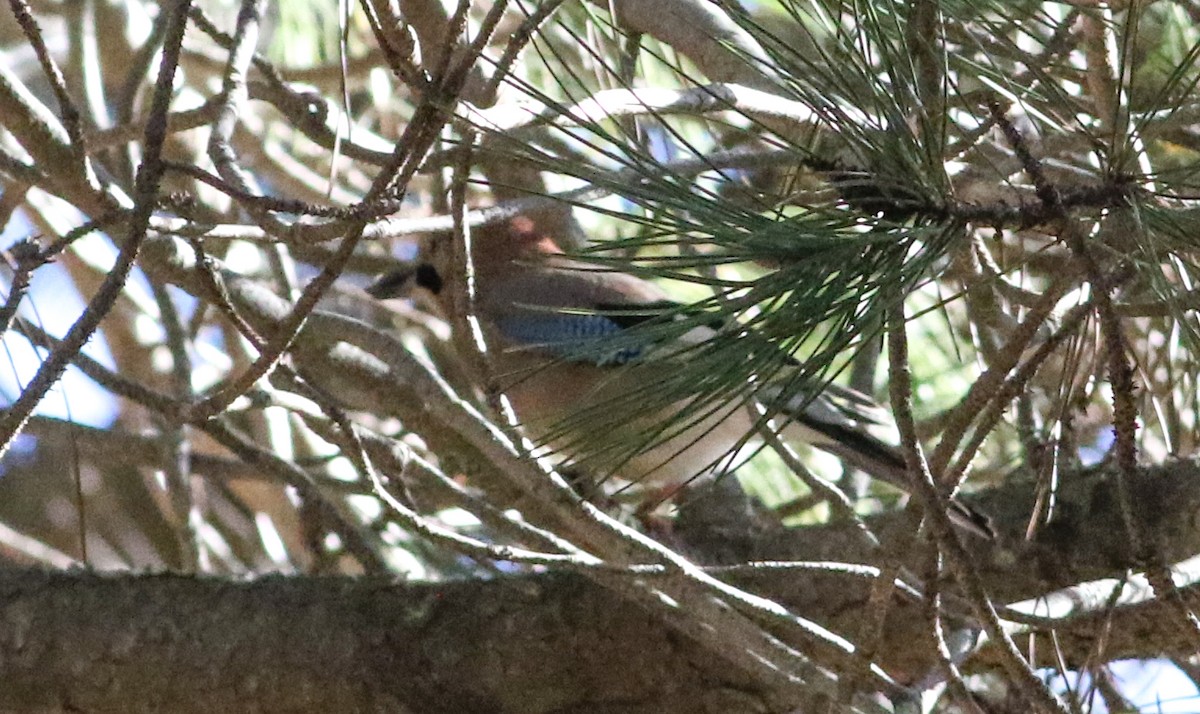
point(495, 248)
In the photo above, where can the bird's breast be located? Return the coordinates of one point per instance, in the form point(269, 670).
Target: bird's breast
point(615, 421)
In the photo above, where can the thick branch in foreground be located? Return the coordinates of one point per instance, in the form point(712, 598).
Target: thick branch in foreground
point(536, 643)
point(1084, 542)
point(92, 643)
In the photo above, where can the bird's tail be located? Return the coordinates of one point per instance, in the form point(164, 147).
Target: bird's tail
point(836, 421)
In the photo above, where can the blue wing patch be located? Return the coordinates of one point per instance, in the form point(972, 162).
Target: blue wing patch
point(579, 337)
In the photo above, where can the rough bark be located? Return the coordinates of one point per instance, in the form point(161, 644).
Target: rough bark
point(529, 643)
point(86, 642)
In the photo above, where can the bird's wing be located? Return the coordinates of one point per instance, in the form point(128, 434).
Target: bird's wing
point(581, 313)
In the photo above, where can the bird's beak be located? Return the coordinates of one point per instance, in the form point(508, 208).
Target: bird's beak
point(394, 284)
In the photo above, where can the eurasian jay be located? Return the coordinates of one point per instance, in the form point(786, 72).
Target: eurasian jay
point(578, 347)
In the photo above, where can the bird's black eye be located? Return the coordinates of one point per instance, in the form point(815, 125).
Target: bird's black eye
point(427, 277)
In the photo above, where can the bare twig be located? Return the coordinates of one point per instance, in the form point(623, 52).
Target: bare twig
point(935, 505)
point(145, 200)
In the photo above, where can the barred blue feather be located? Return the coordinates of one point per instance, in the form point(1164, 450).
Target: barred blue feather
point(577, 337)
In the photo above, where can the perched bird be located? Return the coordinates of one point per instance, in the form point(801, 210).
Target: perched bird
point(591, 358)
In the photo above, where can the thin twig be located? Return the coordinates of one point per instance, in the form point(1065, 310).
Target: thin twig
point(176, 442)
point(22, 258)
point(983, 389)
point(146, 192)
point(936, 507)
point(69, 113)
point(358, 541)
point(933, 613)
